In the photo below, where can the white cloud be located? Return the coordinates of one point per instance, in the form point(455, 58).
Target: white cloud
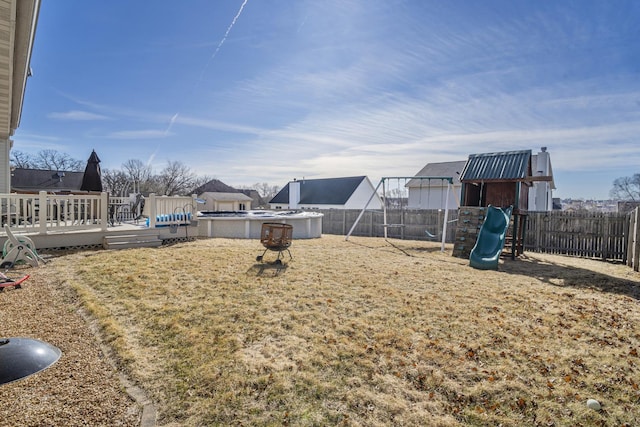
point(138, 134)
point(77, 115)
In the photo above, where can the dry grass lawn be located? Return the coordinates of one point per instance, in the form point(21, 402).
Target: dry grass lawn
point(366, 333)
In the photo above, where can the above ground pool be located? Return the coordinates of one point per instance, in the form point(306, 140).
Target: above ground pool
point(247, 224)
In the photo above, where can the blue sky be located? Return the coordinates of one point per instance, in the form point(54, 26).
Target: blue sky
point(271, 90)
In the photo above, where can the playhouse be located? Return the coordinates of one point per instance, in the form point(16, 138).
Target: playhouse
point(501, 179)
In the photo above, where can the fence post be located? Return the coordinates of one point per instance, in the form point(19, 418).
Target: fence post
point(153, 209)
point(636, 242)
point(344, 221)
point(605, 238)
point(104, 211)
point(43, 211)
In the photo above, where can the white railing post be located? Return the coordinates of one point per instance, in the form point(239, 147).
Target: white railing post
point(104, 211)
point(153, 209)
point(42, 212)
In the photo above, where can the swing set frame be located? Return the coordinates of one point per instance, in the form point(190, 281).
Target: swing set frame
point(382, 184)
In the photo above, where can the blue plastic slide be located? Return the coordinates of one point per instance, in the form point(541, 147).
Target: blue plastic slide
point(488, 247)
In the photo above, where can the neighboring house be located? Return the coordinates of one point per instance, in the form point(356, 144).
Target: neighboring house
point(432, 193)
point(541, 193)
point(329, 193)
point(214, 186)
point(18, 20)
point(257, 202)
point(34, 180)
point(217, 186)
point(215, 201)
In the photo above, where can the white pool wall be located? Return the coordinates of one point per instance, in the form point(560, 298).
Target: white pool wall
point(306, 225)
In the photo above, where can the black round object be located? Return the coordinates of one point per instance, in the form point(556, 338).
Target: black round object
point(21, 357)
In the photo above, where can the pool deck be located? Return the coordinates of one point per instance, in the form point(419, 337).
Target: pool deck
point(306, 225)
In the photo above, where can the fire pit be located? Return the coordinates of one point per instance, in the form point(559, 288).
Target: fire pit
point(275, 237)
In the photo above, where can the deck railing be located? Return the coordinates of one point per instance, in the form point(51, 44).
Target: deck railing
point(44, 212)
point(169, 210)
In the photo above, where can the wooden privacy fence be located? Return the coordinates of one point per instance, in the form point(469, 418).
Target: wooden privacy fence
point(607, 236)
point(602, 235)
point(633, 244)
point(410, 224)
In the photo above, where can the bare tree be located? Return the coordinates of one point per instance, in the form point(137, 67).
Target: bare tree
point(139, 174)
point(176, 178)
point(265, 190)
point(21, 160)
point(47, 160)
point(57, 161)
point(116, 182)
point(626, 188)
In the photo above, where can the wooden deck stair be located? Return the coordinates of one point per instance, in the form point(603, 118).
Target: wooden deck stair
point(126, 241)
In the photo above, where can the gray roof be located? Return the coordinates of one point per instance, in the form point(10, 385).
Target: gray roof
point(214, 186)
point(328, 191)
point(225, 196)
point(443, 169)
point(508, 165)
point(45, 180)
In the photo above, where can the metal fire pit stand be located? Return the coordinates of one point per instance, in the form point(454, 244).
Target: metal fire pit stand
point(275, 237)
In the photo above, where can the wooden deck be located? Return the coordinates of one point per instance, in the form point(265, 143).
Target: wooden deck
point(93, 220)
point(95, 237)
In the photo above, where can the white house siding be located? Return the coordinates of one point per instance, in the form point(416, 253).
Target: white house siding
point(434, 197)
point(5, 173)
point(215, 201)
point(294, 195)
point(541, 194)
point(361, 196)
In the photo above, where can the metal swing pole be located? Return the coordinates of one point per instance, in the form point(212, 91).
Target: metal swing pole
point(365, 208)
point(446, 217)
point(384, 210)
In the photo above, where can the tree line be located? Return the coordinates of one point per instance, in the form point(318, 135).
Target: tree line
point(135, 176)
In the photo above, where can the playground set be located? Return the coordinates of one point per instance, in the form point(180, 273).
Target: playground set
point(492, 210)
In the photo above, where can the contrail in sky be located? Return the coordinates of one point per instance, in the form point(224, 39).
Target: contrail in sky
point(229, 29)
point(224, 38)
point(171, 122)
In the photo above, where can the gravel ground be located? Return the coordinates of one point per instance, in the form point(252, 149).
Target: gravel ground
point(82, 388)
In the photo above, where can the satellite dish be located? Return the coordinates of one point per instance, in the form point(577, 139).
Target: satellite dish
point(22, 357)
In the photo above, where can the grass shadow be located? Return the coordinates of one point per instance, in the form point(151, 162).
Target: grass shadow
point(273, 268)
point(406, 250)
point(569, 276)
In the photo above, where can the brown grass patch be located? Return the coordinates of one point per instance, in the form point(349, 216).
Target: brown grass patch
point(367, 332)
